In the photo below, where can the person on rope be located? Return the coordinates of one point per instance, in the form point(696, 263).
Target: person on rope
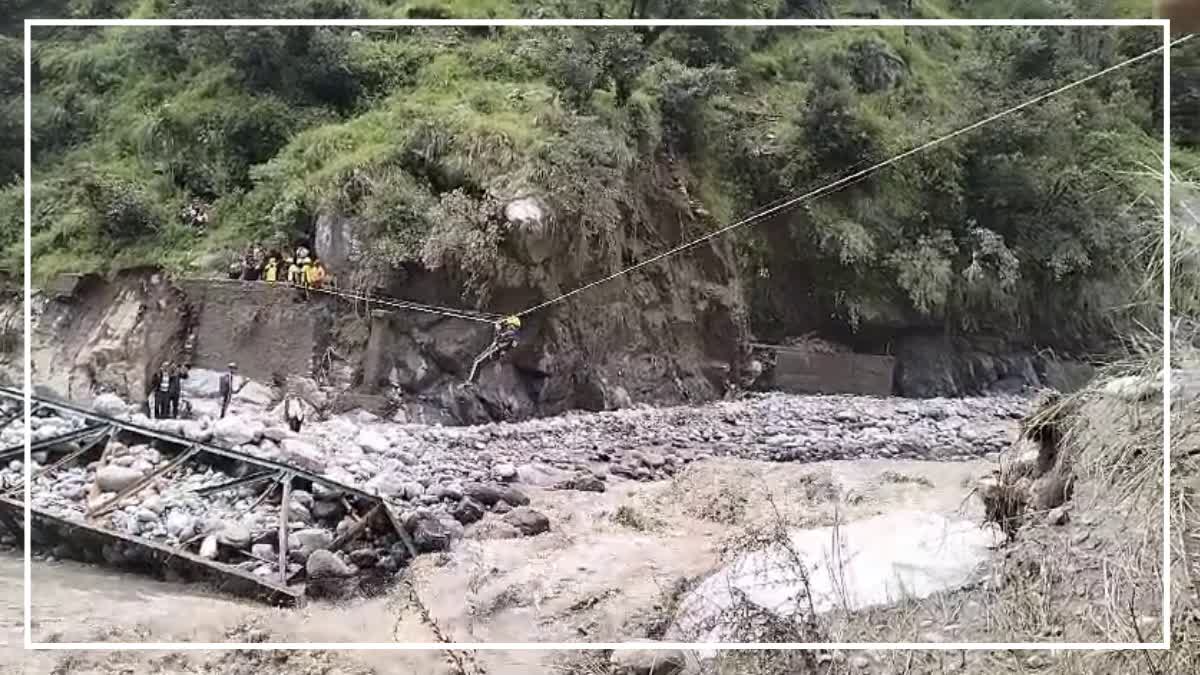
point(505, 338)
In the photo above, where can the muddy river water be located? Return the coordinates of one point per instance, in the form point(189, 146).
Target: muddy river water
point(599, 575)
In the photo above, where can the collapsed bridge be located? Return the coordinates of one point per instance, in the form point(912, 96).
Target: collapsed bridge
point(131, 496)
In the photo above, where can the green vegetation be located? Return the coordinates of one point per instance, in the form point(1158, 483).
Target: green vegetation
point(1032, 225)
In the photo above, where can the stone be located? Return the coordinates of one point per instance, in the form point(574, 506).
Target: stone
point(653, 459)
point(647, 662)
point(386, 484)
point(430, 534)
point(208, 547)
point(110, 405)
point(233, 431)
point(278, 434)
point(584, 482)
point(1059, 516)
point(413, 490)
point(312, 539)
point(324, 564)
point(372, 441)
point(489, 494)
point(327, 510)
point(505, 472)
point(364, 557)
point(299, 513)
point(529, 521)
point(255, 394)
point(113, 478)
point(468, 511)
point(235, 535)
point(180, 524)
point(301, 454)
point(264, 551)
point(502, 507)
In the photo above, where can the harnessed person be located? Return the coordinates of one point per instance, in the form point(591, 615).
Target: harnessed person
point(507, 333)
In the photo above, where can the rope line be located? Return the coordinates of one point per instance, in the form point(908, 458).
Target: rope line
point(466, 315)
point(842, 182)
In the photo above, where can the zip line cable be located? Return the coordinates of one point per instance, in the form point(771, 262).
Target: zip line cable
point(854, 177)
point(466, 315)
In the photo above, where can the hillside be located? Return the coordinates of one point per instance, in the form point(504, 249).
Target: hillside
point(411, 141)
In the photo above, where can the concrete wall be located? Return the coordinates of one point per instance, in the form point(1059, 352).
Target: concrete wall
point(804, 372)
point(267, 330)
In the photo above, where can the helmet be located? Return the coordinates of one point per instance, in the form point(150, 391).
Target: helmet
point(512, 321)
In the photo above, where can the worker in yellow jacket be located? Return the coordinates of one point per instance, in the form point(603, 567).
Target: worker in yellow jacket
point(505, 338)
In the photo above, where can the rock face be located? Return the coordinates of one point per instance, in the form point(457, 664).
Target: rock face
point(929, 366)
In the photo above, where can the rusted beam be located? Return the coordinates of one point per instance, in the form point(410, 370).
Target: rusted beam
point(283, 527)
point(78, 434)
point(251, 479)
point(141, 484)
point(83, 541)
point(46, 470)
point(405, 537)
point(70, 408)
point(355, 529)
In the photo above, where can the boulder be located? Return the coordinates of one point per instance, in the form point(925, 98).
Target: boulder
point(527, 520)
point(208, 547)
point(429, 533)
point(468, 511)
point(313, 539)
point(234, 431)
point(112, 478)
point(647, 662)
point(371, 440)
point(324, 564)
point(202, 383)
point(386, 484)
point(505, 472)
point(255, 394)
point(235, 535)
point(301, 454)
point(110, 405)
point(489, 494)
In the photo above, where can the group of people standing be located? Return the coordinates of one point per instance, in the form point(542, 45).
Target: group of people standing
point(166, 390)
point(302, 268)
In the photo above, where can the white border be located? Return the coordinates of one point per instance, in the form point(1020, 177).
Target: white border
point(528, 646)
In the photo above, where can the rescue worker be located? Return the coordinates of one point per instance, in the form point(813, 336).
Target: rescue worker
point(315, 273)
point(271, 272)
point(293, 272)
point(160, 385)
point(228, 387)
point(175, 389)
point(506, 334)
point(293, 412)
point(305, 271)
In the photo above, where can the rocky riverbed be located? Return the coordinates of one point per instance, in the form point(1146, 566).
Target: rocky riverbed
point(443, 480)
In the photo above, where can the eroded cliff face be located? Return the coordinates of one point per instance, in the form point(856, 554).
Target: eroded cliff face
point(669, 335)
